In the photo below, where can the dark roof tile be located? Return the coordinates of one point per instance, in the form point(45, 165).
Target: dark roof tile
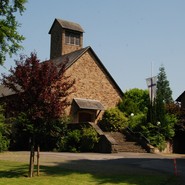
point(89, 104)
point(68, 25)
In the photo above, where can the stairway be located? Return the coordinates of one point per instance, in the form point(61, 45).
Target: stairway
point(125, 143)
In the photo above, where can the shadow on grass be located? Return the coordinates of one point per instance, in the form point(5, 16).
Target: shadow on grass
point(116, 171)
point(112, 171)
point(14, 171)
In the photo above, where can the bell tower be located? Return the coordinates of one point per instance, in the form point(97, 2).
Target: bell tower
point(66, 37)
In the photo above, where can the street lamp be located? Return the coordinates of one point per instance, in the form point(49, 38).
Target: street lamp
point(132, 114)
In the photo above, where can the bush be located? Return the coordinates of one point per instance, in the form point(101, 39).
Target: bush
point(79, 140)
point(89, 139)
point(4, 143)
point(113, 120)
point(4, 133)
point(47, 134)
point(135, 122)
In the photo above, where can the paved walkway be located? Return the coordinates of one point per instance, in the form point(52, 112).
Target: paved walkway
point(108, 163)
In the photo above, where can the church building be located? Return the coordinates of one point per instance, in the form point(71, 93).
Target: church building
point(96, 90)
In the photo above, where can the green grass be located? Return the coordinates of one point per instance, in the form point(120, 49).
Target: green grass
point(16, 173)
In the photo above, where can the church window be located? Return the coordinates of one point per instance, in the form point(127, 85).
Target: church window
point(72, 38)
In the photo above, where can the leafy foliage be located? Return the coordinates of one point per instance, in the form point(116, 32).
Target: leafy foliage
point(89, 139)
point(164, 93)
point(4, 133)
point(41, 91)
point(155, 122)
point(9, 37)
point(47, 135)
point(134, 101)
point(160, 119)
point(79, 140)
point(113, 120)
point(158, 133)
point(135, 121)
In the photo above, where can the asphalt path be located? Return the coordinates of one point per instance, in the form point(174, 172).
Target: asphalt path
point(134, 163)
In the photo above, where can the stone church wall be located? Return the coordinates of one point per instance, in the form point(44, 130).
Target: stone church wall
point(92, 82)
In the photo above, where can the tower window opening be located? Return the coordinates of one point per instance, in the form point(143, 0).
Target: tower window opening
point(72, 38)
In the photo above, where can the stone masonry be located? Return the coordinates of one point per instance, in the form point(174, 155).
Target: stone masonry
point(92, 82)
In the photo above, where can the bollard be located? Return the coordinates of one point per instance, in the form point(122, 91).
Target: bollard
point(175, 167)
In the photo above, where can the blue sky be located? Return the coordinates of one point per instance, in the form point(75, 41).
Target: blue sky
point(129, 36)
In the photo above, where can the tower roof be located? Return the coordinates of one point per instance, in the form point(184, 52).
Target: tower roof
point(67, 25)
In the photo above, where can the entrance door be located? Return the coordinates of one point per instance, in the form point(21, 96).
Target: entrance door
point(85, 117)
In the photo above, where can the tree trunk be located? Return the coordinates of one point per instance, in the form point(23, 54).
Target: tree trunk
point(31, 165)
point(38, 161)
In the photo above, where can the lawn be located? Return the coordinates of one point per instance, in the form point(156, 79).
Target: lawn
point(16, 173)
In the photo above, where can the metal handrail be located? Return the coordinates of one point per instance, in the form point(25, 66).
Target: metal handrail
point(138, 134)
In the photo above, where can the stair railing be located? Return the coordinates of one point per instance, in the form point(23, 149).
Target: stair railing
point(138, 135)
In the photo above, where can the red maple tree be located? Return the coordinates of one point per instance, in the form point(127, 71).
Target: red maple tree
point(41, 91)
point(41, 88)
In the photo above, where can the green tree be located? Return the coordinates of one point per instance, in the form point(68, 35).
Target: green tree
point(4, 132)
point(134, 101)
point(153, 121)
point(10, 39)
point(113, 120)
point(160, 122)
point(164, 92)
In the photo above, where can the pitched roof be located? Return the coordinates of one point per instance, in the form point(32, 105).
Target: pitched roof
point(74, 56)
point(88, 104)
point(70, 58)
point(5, 91)
point(67, 25)
point(179, 99)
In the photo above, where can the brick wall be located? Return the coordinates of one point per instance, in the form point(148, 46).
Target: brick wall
point(67, 48)
point(92, 82)
point(56, 41)
point(58, 46)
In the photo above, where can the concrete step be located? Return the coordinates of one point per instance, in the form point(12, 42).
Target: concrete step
point(125, 143)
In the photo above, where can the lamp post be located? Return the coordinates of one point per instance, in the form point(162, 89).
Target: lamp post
point(132, 114)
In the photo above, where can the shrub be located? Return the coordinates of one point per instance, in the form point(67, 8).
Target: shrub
point(134, 122)
point(89, 139)
point(113, 120)
point(46, 137)
point(4, 143)
point(79, 140)
point(4, 135)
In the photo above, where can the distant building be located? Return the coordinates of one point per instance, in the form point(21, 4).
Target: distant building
point(181, 100)
point(179, 138)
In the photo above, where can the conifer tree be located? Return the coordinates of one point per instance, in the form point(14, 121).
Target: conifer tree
point(164, 93)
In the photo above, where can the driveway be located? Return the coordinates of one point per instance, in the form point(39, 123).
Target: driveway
point(134, 163)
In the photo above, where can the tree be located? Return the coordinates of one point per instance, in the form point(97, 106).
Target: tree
point(160, 121)
point(134, 101)
point(9, 37)
point(154, 121)
point(164, 93)
point(4, 132)
point(41, 91)
point(113, 120)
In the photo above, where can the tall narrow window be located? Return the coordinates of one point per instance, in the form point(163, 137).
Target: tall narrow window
point(78, 40)
point(72, 38)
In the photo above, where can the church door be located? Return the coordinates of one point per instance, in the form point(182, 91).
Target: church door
point(86, 117)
